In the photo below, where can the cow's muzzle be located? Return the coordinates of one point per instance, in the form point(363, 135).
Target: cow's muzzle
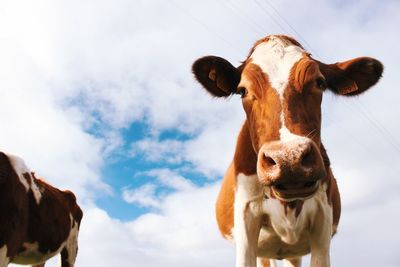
point(292, 170)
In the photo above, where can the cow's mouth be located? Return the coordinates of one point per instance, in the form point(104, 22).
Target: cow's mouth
point(295, 190)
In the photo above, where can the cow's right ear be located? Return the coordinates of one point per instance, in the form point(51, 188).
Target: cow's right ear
point(219, 77)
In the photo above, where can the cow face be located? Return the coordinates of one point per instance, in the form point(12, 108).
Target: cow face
point(281, 87)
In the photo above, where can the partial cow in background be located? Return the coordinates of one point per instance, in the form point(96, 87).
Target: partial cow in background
point(279, 198)
point(37, 221)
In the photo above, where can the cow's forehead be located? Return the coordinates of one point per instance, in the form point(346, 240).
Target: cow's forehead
point(276, 56)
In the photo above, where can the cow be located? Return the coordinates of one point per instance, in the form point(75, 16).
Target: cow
point(279, 198)
point(37, 220)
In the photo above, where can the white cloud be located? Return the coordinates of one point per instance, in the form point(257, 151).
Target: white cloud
point(183, 233)
point(34, 127)
point(147, 195)
point(171, 179)
point(169, 151)
point(144, 196)
point(368, 229)
point(210, 151)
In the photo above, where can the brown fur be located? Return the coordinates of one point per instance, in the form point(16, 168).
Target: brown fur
point(217, 74)
point(302, 107)
point(262, 107)
point(352, 77)
point(23, 220)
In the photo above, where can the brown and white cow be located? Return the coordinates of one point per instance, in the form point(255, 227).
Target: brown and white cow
point(37, 221)
point(279, 199)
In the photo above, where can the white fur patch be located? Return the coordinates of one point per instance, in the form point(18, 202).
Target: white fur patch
point(287, 235)
point(4, 260)
point(284, 234)
point(276, 57)
point(72, 242)
point(247, 210)
point(286, 135)
point(37, 194)
point(286, 224)
point(21, 168)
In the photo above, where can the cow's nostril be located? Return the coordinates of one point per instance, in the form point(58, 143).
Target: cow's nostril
point(269, 161)
point(308, 158)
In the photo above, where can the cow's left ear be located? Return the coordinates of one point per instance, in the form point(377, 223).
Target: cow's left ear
point(352, 77)
point(219, 77)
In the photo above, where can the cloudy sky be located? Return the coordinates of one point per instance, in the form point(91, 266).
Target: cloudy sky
point(97, 96)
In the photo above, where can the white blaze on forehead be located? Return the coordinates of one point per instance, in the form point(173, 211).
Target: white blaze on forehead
point(276, 57)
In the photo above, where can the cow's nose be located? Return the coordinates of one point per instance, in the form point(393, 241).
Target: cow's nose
point(308, 156)
point(300, 159)
point(303, 155)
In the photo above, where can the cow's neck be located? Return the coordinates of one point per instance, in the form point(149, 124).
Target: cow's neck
point(245, 159)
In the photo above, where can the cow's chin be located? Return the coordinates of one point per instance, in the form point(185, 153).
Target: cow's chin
point(291, 191)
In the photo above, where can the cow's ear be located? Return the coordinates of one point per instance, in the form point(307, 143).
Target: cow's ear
point(5, 167)
point(219, 77)
point(352, 77)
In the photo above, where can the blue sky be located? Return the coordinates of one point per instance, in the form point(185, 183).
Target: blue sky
point(127, 169)
point(98, 97)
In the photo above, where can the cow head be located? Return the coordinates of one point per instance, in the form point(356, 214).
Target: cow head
point(281, 87)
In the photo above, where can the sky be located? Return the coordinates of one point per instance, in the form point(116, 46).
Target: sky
point(98, 97)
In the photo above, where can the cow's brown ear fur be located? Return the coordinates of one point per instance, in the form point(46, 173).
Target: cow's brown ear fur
point(352, 77)
point(219, 77)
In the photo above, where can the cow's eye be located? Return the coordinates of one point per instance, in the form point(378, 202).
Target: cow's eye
point(242, 91)
point(321, 83)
